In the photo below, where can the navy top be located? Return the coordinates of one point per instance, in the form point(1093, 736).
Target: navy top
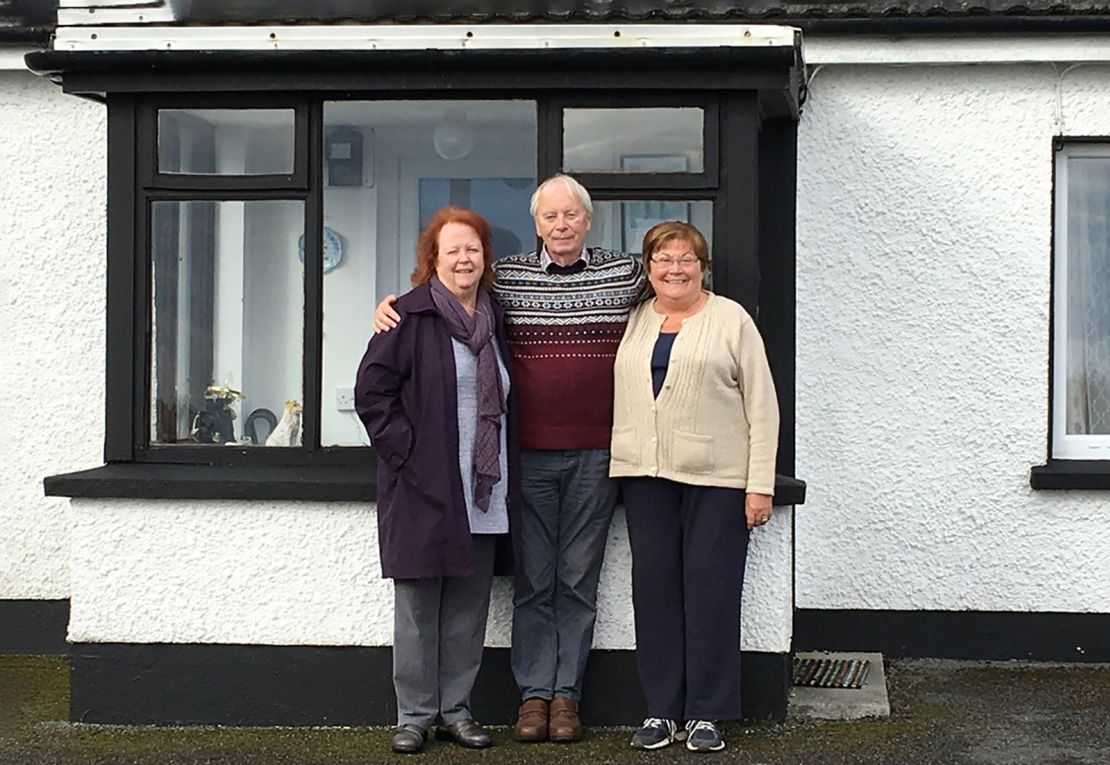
point(660, 358)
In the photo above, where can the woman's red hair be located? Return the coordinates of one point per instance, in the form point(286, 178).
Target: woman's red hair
point(427, 246)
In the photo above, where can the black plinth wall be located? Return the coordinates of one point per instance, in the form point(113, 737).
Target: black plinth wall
point(251, 685)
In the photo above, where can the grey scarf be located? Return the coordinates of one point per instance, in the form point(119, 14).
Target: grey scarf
point(476, 333)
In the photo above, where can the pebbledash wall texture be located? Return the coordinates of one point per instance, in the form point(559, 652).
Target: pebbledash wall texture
point(52, 202)
point(924, 253)
point(165, 571)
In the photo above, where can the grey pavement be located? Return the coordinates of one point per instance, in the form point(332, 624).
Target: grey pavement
point(943, 712)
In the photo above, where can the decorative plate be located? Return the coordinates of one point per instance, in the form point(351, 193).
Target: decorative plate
point(333, 249)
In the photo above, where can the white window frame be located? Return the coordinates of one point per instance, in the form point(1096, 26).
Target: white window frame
point(1067, 446)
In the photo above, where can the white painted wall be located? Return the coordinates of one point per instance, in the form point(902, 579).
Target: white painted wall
point(52, 200)
point(924, 242)
point(301, 573)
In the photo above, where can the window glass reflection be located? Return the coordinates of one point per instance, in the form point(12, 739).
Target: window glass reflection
point(228, 307)
point(388, 166)
point(650, 140)
point(621, 225)
point(226, 141)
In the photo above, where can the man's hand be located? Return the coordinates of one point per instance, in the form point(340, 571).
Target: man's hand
point(385, 318)
point(757, 507)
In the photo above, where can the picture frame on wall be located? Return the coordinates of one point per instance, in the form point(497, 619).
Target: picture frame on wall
point(639, 216)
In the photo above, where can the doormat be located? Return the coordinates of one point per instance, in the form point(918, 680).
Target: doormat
point(831, 673)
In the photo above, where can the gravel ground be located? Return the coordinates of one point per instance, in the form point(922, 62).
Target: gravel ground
point(943, 712)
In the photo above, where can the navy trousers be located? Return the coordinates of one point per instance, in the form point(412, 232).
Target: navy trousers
point(689, 548)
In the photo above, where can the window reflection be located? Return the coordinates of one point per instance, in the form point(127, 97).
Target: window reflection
point(226, 141)
point(388, 166)
point(228, 307)
point(621, 225)
point(650, 140)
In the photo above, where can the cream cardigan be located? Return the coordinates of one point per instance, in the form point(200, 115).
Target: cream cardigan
point(716, 421)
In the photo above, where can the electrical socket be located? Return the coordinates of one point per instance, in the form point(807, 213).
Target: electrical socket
point(345, 399)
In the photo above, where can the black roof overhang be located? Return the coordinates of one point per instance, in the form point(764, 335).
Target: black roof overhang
point(775, 72)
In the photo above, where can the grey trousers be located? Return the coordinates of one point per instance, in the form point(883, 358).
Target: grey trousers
point(439, 627)
point(568, 505)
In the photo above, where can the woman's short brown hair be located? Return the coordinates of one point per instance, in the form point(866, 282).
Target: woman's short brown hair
point(427, 246)
point(669, 231)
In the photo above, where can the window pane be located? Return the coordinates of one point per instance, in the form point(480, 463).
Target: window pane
point(226, 141)
point(663, 140)
point(622, 225)
point(389, 165)
point(228, 307)
point(1088, 296)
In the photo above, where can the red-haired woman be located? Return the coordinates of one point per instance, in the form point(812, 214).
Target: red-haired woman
point(433, 395)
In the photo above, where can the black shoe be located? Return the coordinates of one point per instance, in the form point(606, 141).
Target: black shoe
point(408, 739)
point(466, 733)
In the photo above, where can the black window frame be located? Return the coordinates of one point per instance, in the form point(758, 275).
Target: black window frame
point(750, 100)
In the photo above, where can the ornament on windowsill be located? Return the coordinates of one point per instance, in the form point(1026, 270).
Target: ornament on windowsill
point(288, 430)
point(215, 424)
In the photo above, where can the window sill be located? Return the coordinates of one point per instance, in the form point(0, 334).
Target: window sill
point(1071, 474)
point(339, 483)
point(331, 483)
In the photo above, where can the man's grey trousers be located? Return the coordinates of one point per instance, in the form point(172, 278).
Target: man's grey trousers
point(568, 505)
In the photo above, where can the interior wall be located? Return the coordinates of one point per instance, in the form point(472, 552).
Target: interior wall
point(924, 250)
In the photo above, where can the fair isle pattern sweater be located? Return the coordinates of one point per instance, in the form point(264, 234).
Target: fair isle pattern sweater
point(563, 332)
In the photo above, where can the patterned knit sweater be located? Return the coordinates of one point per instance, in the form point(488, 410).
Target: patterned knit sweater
point(563, 332)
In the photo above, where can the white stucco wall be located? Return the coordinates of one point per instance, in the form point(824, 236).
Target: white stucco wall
point(924, 236)
point(307, 573)
point(52, 201)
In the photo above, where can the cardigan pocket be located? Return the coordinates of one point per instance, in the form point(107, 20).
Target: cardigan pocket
point(692, 453)
point(623, 447)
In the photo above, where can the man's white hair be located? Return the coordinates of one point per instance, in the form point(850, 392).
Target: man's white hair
point(571, 185)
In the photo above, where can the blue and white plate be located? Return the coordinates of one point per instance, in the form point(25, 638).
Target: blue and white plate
point(333, 249)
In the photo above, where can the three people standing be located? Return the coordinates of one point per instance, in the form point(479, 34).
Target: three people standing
point(565, 311)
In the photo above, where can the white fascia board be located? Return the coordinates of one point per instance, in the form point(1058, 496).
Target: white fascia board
point(11, 57)
point(421, 37)
point(150, 14)
point(925, 50)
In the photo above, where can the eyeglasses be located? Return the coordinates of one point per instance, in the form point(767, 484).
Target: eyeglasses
point(667, 261)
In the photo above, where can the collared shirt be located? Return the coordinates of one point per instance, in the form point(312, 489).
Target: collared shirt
point(546, 260)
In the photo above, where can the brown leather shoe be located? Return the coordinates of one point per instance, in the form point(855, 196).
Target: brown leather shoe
point(563, 725)
point(531, 721)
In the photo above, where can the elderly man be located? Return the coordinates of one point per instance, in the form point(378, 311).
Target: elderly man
point(565, 311)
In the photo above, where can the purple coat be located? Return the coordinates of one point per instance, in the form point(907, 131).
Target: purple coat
point(406, 396)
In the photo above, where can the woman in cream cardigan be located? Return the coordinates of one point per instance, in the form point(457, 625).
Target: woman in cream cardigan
point(695, 432)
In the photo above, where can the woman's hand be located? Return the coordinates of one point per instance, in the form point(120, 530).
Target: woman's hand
point(385, 318)
point(757, 507)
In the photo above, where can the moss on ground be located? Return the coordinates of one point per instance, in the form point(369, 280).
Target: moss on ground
point(941, 712)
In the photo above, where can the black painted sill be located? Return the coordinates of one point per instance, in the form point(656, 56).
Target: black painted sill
point(331, 483)
point(1071, 474)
